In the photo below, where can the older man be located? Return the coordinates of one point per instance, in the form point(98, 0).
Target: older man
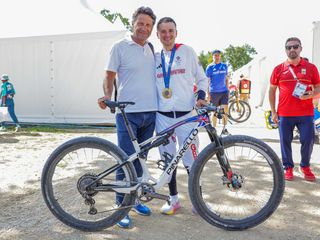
point(132, 60)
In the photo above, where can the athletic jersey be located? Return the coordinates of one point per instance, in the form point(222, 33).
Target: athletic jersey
point(217, 74)
point(186, 71)
point(135, 68)
point(7, 89)
point(288, 105)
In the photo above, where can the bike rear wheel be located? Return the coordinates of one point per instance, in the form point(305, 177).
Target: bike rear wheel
point(254, 164)
point(74, 165)
point(247, 112)
point(236, 111)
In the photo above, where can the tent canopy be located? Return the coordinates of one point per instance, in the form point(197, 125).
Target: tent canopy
point(57, 67)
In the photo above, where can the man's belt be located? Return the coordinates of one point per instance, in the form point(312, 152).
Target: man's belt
point(174, 114)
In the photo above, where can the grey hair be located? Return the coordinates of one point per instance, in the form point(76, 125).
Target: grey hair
point(144, 10)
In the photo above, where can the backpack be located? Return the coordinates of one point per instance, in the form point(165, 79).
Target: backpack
point(245, 86)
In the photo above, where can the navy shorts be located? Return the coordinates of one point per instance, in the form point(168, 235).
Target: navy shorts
point(218, 99)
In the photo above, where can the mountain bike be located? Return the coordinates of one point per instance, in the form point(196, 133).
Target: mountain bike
point(235, 183)
point(239, 110)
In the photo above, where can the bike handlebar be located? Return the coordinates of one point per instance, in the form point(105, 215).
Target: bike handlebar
point(209, 108)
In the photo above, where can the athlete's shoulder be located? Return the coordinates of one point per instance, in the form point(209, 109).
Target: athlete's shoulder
point(211, 65)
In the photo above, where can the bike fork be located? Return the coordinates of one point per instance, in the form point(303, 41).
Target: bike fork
point(223, 161)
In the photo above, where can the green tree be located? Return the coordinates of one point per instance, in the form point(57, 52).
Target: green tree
point(112, 17)
point(205, 59)
point(236, 57)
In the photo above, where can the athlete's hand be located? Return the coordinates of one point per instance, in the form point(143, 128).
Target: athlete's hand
point(101, 103)
point(201, 103)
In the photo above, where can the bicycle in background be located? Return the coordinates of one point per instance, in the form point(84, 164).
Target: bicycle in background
point(239, 110)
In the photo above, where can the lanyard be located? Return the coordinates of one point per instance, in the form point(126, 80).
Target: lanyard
point(293, 74)
point(166, 75)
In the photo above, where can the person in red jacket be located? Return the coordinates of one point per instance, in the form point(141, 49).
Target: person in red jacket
point(298, 82)
point(244, 86)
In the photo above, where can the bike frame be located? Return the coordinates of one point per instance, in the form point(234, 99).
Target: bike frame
point(202, 119)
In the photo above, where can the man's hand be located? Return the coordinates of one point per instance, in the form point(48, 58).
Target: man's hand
point(201, 103)
point(208, 97)
point(307, 95)
point(101, 103)
point(275, 117)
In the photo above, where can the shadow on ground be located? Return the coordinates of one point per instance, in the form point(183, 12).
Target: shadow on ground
point(24, 215)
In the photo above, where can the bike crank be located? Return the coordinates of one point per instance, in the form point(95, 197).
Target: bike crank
point(146, 193)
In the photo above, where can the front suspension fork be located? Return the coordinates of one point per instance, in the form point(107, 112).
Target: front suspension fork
point(223, 160)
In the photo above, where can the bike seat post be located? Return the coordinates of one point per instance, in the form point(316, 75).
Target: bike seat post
point(128, 126)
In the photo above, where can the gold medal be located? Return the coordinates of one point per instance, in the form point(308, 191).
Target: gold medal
point(167, 93)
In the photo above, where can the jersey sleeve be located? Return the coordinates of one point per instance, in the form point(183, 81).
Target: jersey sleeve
point(3, 90)
point(209, 71)
point(315, 76)
point(200, 76)
point(114, 60)
point(274, 80)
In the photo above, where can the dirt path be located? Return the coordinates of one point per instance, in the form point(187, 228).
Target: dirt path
point(23, 214)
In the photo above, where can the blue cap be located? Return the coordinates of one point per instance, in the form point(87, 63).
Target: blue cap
point(216, 51)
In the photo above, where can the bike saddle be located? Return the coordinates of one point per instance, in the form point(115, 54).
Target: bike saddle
point(112, 104)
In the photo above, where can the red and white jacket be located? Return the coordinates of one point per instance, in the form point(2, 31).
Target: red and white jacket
point(186, 70)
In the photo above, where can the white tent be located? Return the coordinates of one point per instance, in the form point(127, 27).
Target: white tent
point(58, 77)
point(259, 72)
point(316, 44)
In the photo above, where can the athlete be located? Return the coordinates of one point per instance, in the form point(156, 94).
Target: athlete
point(177, 70)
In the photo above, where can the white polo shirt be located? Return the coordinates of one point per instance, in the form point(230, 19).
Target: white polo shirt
point(135, 68)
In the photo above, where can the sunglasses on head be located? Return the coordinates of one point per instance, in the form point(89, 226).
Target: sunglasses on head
point(295, 47)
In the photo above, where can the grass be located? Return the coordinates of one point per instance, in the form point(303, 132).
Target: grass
point(43, 129)
point(25, 128)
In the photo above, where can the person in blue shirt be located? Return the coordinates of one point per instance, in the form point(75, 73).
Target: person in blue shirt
point(218, 95)
point(7, 95)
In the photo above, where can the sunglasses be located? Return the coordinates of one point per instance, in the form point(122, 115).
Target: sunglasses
point(295, 47)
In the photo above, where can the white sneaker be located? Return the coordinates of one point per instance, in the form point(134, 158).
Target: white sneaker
point(170, 209)
point(17, 129)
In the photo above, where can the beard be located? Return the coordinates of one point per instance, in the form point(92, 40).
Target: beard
point(293, 55)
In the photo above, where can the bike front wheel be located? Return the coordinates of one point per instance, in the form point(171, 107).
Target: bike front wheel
point(258, 170)
point(71, 168)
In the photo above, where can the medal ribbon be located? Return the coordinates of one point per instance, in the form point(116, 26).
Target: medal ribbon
point(166, 76)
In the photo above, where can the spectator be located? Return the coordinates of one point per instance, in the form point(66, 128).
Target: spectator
point(298, 81)
point(177, 71)
point(7, 95)
point(218, 95)
point(244, 86)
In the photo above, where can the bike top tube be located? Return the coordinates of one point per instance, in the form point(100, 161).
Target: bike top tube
point(202, 118)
